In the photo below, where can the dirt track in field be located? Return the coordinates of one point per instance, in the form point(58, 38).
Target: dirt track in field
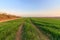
point(19, 32)
point(41, 35)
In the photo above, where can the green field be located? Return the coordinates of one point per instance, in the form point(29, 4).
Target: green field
point(32, 29)
point(8, 29)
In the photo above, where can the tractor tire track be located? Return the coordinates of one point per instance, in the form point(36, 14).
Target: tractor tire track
point(19, 32)
point(41, 35)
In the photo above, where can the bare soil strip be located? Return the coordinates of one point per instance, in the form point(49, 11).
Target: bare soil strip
point(8, 20)
point(19, 32)
point(41, 35)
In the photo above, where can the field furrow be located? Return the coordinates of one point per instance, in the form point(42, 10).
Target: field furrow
point(41, 34)
point(29, 32)
point(8, 29)
point(30, 29)
point(19, 32)
point(47, 29)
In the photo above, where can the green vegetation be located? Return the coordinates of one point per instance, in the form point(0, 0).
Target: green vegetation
point(29, 32)
point(49, 27)
point(8, 29)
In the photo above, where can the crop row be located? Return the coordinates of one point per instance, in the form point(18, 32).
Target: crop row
point(49, 29)
point(8, 29)
point(29, 32)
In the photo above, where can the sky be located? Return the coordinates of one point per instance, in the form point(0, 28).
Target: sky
point(31, 8)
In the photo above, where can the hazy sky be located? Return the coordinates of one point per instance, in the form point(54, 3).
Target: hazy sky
point(31, 7)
